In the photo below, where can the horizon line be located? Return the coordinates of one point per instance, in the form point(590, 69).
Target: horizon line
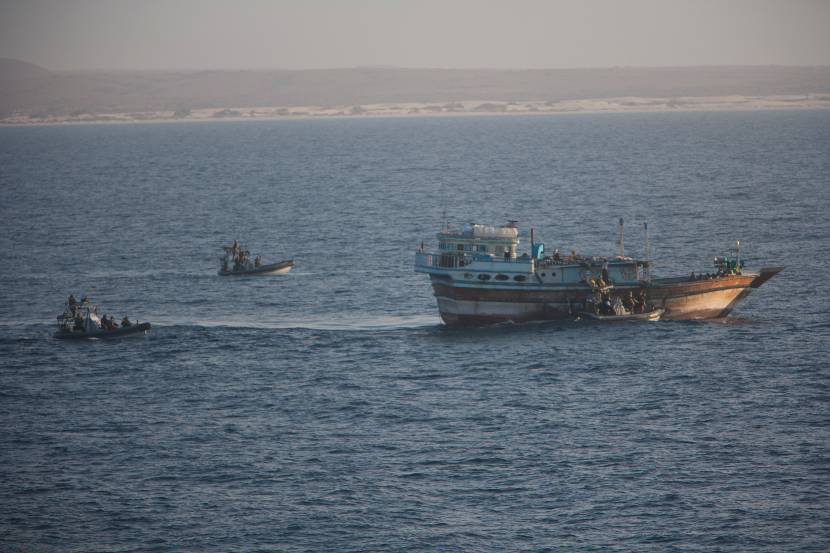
point(381, 67)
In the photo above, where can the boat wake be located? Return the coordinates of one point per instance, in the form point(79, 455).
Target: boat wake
point(366, 323)
point(154, 273)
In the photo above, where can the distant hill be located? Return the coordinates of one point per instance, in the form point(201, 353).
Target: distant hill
point(28, 89)
point(16, 70)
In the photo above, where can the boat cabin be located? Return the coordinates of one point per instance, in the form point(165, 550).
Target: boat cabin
point(486, 254)
point(479, 242)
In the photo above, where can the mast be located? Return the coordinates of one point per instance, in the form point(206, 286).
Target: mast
point(622, 238)
point(648, 253)
point(738, 261)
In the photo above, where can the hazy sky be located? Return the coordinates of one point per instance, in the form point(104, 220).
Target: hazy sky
point(296, 34)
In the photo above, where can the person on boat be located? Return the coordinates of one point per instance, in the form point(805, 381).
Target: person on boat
point(556, 256)
point(84, 299)
point(693, 277)
point(79, 321)
point(616, 306)
point(631, 302)
point(258, 261)
point(125, 322)
point(607, 308)
point(590, 306)
point(72, 302)
point(642, 301)
point(597, 301)
point(605, 276)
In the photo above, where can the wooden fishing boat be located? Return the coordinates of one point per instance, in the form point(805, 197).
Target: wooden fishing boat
point(653, 315)
point(479, 277)
point(280, 268)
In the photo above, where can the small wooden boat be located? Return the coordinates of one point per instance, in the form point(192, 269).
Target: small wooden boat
point(138, 328)
point(280, 268)
point(652, 315)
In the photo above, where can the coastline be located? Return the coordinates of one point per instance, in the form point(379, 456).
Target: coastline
point(467, 108)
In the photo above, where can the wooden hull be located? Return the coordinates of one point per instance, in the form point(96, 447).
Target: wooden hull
point(680, 298)
point(280, 268)
point(105, 334)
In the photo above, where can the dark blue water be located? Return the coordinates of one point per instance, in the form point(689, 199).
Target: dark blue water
point(329, 410)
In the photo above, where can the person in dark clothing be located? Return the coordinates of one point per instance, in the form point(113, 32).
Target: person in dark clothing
point(631, 302)
point(641, 301)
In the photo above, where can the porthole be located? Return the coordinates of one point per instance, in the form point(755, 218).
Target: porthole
point(520, 278)
point(502, 277)
point(553, 273)
point(483, 277)
point(543, 274)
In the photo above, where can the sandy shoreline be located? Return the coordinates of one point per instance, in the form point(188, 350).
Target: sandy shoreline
point(447, 109)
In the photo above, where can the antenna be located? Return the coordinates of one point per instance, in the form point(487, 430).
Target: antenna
point(648, 252)
point(622, 238)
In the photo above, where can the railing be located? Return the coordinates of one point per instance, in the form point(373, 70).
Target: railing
point(453, 261)
point(425, 259)
point(442, 260)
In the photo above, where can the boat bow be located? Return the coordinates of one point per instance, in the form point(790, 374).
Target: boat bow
point(764, 275)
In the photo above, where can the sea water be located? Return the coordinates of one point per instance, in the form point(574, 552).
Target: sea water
point(330, 410)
